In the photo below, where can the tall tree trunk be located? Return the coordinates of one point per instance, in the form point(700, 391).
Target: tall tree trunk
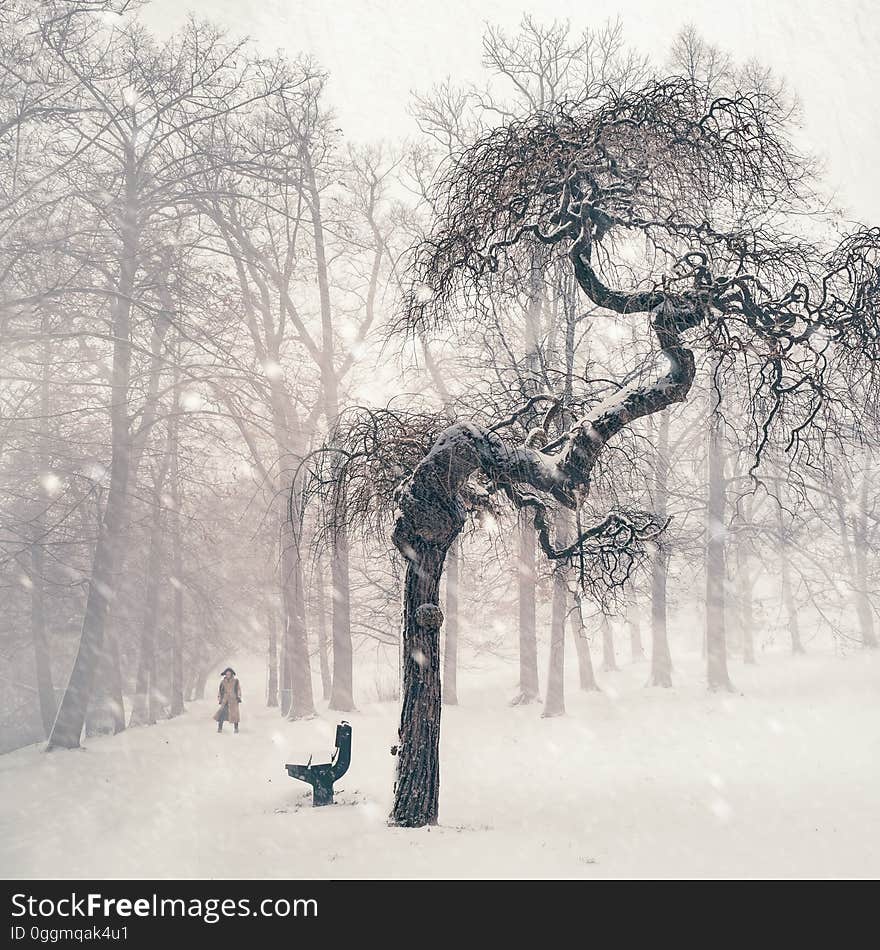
point(528, 644)
point(853, 569)
point(106, 711)
point(201, 682)
point(37, 572)
point(860, 533)
point(342, 692)
point(788, 601)
point(450, 653)
point(744, 596)
point(323, 642)
point(42, 656)
point(104, 579)
point(586, 674)
point(661, 659)
point(554, 701)
point(143, 708)
point(716, 572)
point(177, 674)
point(417, 786)
point(283, 654)
point(272, 659)
point(302, 703)
point(341, 695)
point(609, 660)
point(637, 651)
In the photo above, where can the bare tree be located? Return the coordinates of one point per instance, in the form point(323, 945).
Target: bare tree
point(577, 178)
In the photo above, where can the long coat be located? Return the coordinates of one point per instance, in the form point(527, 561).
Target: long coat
point(230, 695)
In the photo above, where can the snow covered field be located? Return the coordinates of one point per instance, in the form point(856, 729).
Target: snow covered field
point(780, 780)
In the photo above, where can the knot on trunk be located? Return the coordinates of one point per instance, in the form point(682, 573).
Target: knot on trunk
point(537, 438)
point(429, 616)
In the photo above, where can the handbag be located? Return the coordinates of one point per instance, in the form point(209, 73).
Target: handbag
point(222, 713)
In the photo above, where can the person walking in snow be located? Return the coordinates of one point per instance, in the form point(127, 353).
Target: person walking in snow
point(229, 699)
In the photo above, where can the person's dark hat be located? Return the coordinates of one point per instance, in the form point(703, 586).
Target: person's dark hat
point(228, 669)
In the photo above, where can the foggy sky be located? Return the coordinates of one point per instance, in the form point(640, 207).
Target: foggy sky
point(378, 50)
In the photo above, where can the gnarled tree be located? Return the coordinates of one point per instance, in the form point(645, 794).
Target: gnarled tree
point(617, 189)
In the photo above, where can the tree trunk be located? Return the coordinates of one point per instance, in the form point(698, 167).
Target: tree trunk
point(661, 659)
point(554, 702)
point(746, 613)
point(323, 644)
point(302, 704)
point(586, 674)
point(787, 591)
point(104, 579)
point(637, 651)
point(716, 573)
point(283, 657)
point(609, 660)
point(143, 708)
point(105, 715)
point(866, 613)
point(201, 683)
point(42, 657)
point(341, 696)
point(272, 660)
point(850, 560)
point(176, 706)
point(342, 692)
point(450, 653)
point(528, 644)
point(417, 786)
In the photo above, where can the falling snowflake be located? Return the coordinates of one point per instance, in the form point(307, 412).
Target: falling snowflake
point(51, 484)
point(272, 369)
point(423, 294)
point(721, 809)
point(191, 401)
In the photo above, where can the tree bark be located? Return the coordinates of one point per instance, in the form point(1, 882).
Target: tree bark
point(143, 708)
point(661, 659)
point(637, 651)
point(283, 658)
point(323, 644)
point(341, 695)
point(342, 691)
point(104, 579)
point(860, 532)
point(272, 660)
point(586, 674)
point(177, 633)
point(716, 572)
point(37, 572)
point(42, 656)
point(609, 660)
point(554, 702)
point(528, 644)
point(302, 703)
point(450, 652)
point(788, 601)
point(744, 596)
point(417, 785)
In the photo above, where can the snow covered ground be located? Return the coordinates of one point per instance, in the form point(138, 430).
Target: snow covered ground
point(780, 780)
